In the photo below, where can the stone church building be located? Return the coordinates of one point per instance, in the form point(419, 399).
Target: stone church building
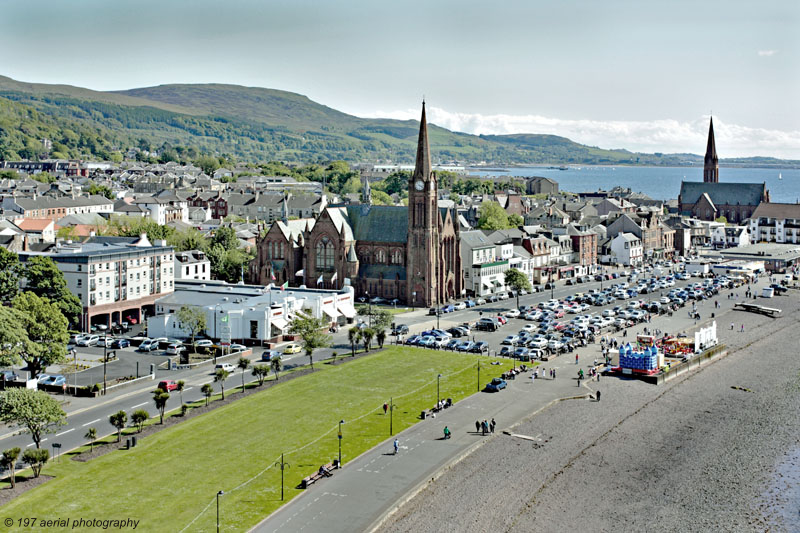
point(710, 199)
point(411, 253)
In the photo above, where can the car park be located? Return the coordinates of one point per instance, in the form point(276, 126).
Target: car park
point(75, 337)
point(452, 344)
point(496, 385)
point(426, 341)
point(105, 341)
point(480, 301)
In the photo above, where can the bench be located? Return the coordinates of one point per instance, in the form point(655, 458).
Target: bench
point(316, 476)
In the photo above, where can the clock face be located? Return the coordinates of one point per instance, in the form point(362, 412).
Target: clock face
point(419, 185)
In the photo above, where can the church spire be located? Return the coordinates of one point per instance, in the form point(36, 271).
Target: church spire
point(711, 162)
point(422, 169)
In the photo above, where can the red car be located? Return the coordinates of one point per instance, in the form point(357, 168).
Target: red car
point(167, 385)
point(503, 320)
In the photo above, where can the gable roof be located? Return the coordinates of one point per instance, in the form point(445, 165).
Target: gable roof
point(723, 193)
point(380, 223)
point(776, 210)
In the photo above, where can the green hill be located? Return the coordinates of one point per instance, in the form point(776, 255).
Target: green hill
point(253, 124)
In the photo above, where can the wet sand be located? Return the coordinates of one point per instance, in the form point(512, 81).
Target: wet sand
point(695, 454)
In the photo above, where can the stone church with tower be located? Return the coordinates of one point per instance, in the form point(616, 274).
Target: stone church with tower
point(410, 254)
point(710, 199)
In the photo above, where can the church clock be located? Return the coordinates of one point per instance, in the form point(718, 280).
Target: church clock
point(419, 185)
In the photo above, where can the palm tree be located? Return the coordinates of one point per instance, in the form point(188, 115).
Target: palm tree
point(160, 397)
point(277, 365)
point(9, 461)
point(118, 420)
point(354, 336)
point(244, 364)
point(91, 435)
point(220, 378)
point(260, 372)
point(180, 385)
point(366, 337)
point(207, 391)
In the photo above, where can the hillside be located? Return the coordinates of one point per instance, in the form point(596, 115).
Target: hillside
point(253, 124)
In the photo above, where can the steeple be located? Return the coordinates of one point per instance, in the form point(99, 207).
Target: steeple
point(284, 211)
point(367, 192)
point(422, 169)
point(711, 162)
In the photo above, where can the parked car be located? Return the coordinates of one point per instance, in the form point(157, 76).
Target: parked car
point(167, 385)
point(237, 347)
point(175, 349)
point(432, 311)
point(400, 329)
point(412, 340)
point(8, 375)
point(460, 306)
point(56, 379)
point(105, 341)
point(496, 385)
point(512, 313)
point(292, 348)
point(480, 347)
point(89, 340)
point(203, 343)
point(75, 337)
point(465, 346)
point(506, 351)
point(147, 345)
point(120, 343)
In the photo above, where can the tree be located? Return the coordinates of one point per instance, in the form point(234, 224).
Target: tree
point(277, 365)
point(46, 328)
point(179, 386)
point(139, 417)
point(244, 364)
point(260, 372)
point(380, 337)
point(192, 319)
point(366, 336)
point(517, 281)
point(37, 412)
point(397, 182)
point(160, 397)
point(723, 219)
point(312, 334)
point(91, 436)
point(46, 281)
point(515, 220)
point(9, 462)
point(226, 237)
point(207, 391)
point(10, 271)
point(36, 459)
point(101, 190)
point(354, 336)
point(14, 339)
point(118, 420)
point(43, 177)
point(219, 377)
point(208, 163)
point(492, 217)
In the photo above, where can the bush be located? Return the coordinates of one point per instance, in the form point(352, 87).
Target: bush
point(36, 459)
point(96, 387)
point(184, 408)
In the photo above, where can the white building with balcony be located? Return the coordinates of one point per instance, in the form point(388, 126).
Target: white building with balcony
point(773, 222)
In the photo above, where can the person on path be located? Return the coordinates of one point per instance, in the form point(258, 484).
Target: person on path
point(477, 426)
point(484, 427)
point(446, 432)
point(598, 396)
point(732, 326)
point(396, 446)
point(385, 408)
point(576, 359)
point(492, 425)
point(742, 330)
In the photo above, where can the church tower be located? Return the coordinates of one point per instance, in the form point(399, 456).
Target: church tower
point(711, 163)
point(422, 260)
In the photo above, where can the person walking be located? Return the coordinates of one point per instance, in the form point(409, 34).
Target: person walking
point(732, 326)
point(598, 396)
point(492, 425)
point(385, 407)
point(742, 330)
point(446, 432)
point(484, 427)
point(396, 445)
point(477, 426)
point(576, 359)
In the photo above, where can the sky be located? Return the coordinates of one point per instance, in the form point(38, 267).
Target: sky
point(643, 75)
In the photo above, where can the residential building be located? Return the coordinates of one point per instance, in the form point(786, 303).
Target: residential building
point(627, 249)
point(56, 207)
point(192, 264)
point(774, 222)
point(730, 236)
point(539, 185)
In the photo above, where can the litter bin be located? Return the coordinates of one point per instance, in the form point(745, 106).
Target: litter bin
point(133, 442)
point(422, 415)
point(127, 444)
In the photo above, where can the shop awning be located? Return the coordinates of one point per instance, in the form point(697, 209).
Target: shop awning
point(330, 312)
point(346, 310)
point(279, 323)
point(496, 283)
point(486, 283)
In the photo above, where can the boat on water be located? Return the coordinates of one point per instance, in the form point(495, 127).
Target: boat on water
point(780, 177)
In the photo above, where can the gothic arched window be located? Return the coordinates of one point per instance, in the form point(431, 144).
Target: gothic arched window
point(380, 256)
point(324, 254)
point(397, 257)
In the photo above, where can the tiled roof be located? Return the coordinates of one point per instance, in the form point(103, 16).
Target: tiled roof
point(723, 193)
point(775, 210)
point(381, 223)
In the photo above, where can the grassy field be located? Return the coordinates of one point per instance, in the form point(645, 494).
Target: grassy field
point(171, 478)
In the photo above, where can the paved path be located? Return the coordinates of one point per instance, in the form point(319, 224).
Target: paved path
point(366, 488)
point(358, 497)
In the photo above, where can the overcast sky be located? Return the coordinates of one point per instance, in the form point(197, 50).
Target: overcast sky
point(641, 75)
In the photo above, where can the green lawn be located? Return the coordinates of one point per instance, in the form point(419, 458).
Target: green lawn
point(393, 310)
point(171, 477)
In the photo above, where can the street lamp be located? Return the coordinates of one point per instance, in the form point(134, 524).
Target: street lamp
point(340, 442)
point(105, 358)
point(369, 309)
point(438, 378)
point(391, 416)
point(479, 375)
point(220, 493)
point(284, 465)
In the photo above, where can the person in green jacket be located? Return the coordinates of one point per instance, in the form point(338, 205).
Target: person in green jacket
point(446, 432)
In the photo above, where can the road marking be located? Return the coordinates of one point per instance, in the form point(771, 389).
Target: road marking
point(64, 432)
point(89, 423)
point(187, 390)
point(139, 405)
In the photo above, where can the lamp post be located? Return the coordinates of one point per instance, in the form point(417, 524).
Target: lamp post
point(369, 309)
point(105, 359)
point(479, 375)
point(391, 416)
point(75, 374)
point(220, 493)
point(438, 378)
point(340, 442)
point(284, 465)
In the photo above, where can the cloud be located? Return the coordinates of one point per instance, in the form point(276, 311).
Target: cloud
point(665, 135)
point(767, 53)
